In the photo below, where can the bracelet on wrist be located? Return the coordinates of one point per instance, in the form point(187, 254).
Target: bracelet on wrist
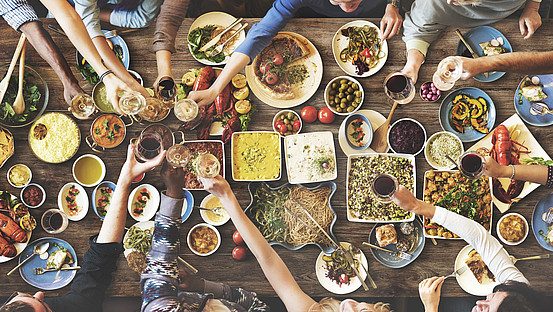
point(513, 174)
point(107, 72)
point(395, 3)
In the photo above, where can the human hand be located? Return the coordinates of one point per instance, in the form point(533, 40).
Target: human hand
point(132, 168)
point(173, 178)
point(217, 186)
point(203, 97)
point(495, 170)
point(391, 22)
point(405, 199)
point(70, 91)
point(530, 19)
point(470, 66)
point(114, 86)
point(429, 291)
point(410, 72)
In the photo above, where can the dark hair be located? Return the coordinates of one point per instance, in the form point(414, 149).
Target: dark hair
point(125, 5)
point(17, 306)
point(520, 298)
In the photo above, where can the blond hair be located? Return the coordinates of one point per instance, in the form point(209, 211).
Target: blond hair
point(332, 305)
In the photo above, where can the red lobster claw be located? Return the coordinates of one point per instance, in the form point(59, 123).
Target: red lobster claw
point(233, 125)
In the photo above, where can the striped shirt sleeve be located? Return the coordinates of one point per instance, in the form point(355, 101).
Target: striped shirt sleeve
point(17, 12)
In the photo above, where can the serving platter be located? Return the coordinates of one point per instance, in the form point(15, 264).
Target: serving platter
point(81, 200)
point(340, 42)
point(522, 104)
point(152, 204)
point(514, 123)
point(332, 286)
point(235, 147)
point(143, 225)
point(291, 152)
point(303, 91)
point(467, 281)
point(187, 171)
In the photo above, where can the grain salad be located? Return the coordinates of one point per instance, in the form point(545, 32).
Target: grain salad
point(54, 137)
point(362, 205)
point(445, 144)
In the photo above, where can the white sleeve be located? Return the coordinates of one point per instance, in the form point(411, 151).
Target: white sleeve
point(491, 251)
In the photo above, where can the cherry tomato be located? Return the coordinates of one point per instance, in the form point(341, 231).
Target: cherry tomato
point(237, 238)
point(297, 124)
point(265, 67)
point(326, 115)
point(344, 278)
point(239, 253)
point(277, 59)
point(366, 53)
point(282, 127)
point(271, 78)
point(309, 114)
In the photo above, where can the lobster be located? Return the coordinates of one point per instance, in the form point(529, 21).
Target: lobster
point(223, 102)
point(233, 125)
point(7, 249)
point(11, 229)
point(203, 129)
point(506, 152)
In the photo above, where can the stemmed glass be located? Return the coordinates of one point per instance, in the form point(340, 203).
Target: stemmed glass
point(399, 88)
point(472, 165)
point(186, 110)
point(448, 72)
point(149, 145)
point(166, 90)
point(207, 166)
point(178, 155)
point(82, 106)
point(132, 103)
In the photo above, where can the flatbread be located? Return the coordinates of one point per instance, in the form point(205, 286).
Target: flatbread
point(6, 145)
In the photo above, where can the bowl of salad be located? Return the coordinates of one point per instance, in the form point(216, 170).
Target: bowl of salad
point(35, 94)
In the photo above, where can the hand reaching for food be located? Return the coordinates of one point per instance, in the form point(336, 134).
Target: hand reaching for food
point(429, 291)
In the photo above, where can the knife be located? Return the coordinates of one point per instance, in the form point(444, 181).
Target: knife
point(216, 39)
point(349, 259)
point(474, 55)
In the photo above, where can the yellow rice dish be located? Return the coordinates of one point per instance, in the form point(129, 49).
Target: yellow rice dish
point(256, 156)
point(54, 138)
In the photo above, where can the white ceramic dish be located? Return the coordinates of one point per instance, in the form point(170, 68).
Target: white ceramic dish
point(332, 286)
point(97, 194)
point(214, 249)
point(204, 215)
point(503, 240)
point(81, 200)
point(282, 112)
point(327, 90)
point(28, 181)
point(143, 225)
point(403, 120)
point(102, 175)
point(151, 205)
point(467, 280)
point(295, 147)
point(43, 195)
point(366, 127)
point(375, 118)
point(232, 156)
point(429, 143)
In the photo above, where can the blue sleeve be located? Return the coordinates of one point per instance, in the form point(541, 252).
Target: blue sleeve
point(17, 12)
point(90, 14)
point(261, 34)
point(144, 14)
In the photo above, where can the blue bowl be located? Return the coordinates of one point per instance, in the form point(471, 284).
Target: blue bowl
point(351, 119)
point(189, 205)
point(93, 198)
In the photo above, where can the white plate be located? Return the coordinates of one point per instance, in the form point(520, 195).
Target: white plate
point(19, 247)
point(304, 91)
point(467, 281)
point(332, 286)
point(81, 199)
point(375, 118)
point(221, 19)
point(340, 42)
point(525, 137)
point(325, 136)
point(143, 225)
point(151, 206)
point(203, 213)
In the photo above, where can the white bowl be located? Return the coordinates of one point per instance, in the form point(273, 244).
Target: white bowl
point(429, 142)
point(203, 213)
point(214, 249)
point(398, 121)
point(327, 90)
point(151, 205)
point(43, 195)
point(102, 165)
point(506, 241)
point(28, 181)
point(282, 112)
point(81, 199)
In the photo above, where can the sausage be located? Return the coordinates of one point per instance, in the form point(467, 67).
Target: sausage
point(11, 229)
point(222, 100)
point(205, 79)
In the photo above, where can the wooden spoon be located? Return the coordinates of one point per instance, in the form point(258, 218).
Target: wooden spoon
point(380, 143)
point(19, 103)
point(6, 81)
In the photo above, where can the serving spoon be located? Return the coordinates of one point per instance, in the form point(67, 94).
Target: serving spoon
point(39, 249)
point(380, 141)
point(6, 81)
point(515, 260)
point(19, 103)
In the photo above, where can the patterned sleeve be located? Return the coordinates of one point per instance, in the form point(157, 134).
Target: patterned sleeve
point(17, 12)
point(549, 177)
point(159, 281)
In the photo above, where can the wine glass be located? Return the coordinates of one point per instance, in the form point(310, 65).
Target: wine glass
point(148, 146)
point(472, 165)
point(82, 106)
point(207, 166)
point(152, 110)
point(448, 72)
point(399, 88)
point(383, 187)
point(132, 103)
point(178, 155)
point(166, 90)
point(186, 110)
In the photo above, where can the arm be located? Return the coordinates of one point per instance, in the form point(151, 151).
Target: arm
point(159, 281)
point(530, 19)
point(272, 265)
point(141, 17)
point(531, 63)
point(531, 173)
point(486, 245)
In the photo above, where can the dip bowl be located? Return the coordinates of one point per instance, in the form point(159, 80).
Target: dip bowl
point(366, 132)
point(100, 137)
point(408, 128)
point(191, 235)
point(431, 141)
point(27, 189)
point(12, 171)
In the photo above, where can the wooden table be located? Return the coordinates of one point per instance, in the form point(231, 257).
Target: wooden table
point(435, 260)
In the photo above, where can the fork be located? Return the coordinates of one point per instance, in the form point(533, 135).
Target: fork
point(515, 260)
point(459, 271)
point(38, 271)
point(218, 49)
point(400, 254)
point(216, 210)
point(115, 32)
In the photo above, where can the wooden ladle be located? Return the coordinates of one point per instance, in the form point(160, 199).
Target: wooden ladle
point(380, 142)
point(6, 81)
point(19, 103)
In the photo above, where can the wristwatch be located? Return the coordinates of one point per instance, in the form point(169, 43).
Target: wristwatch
point(395, 3)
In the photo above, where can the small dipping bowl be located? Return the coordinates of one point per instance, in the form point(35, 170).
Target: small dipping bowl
point(34, 190)
point(429, 144)
point(429, 94)
point(367, 130)
point(526, 228)
point(136, 76)
point(16, 175)
point(210, 227)
point(208, 216)
point(332, 106)
point(279, 118)
point(85, 170)
point(407, 137)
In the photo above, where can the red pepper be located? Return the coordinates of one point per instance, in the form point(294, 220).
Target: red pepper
point(366, 53)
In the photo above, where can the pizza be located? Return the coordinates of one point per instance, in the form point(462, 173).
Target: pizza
point(277, 68)
point(477, 266)
point(386, 235)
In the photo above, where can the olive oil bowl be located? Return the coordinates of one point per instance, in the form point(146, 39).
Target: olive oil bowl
point(89, 170)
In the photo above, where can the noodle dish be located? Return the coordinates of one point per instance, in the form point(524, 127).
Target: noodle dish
point(137, 243)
